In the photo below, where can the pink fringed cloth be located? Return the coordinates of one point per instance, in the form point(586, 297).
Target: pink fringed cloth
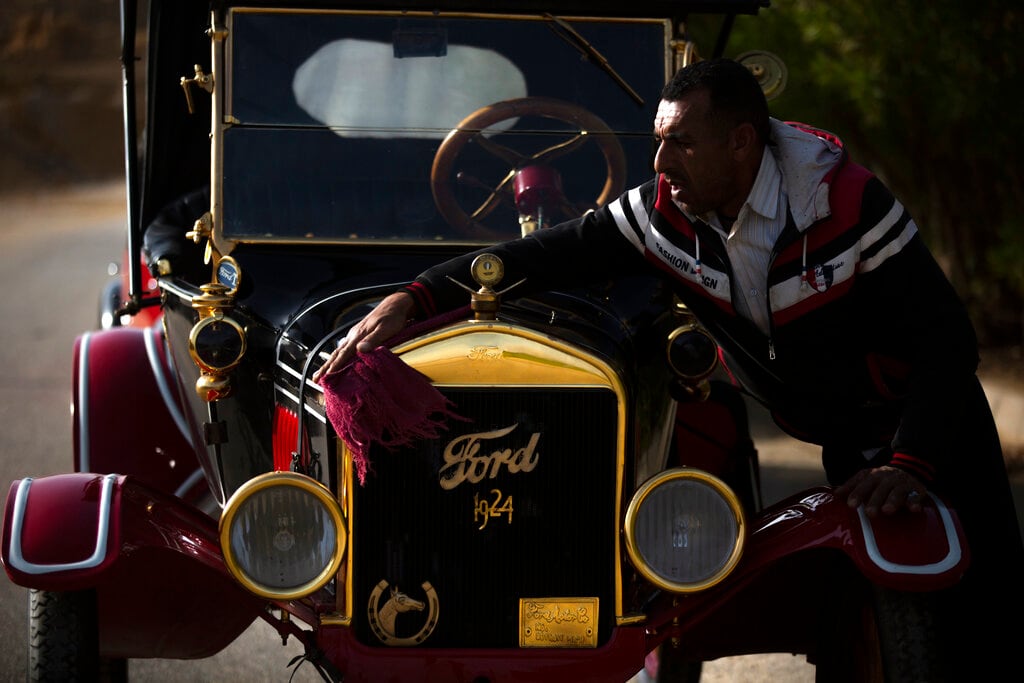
point(378, 399)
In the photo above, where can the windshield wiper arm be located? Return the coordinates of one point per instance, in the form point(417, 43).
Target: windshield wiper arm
point(572, 37)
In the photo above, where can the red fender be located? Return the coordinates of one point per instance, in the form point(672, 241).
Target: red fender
point(127, 414)
point(108, 533)
point(149, 315)
point(910, 552)
point(115, 293)
point(765, 605)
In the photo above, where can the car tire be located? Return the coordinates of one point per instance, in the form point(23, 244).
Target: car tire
point(890, 636)
point(63, 640)
point(110, 302)
point(672, 668)
point(909, 631)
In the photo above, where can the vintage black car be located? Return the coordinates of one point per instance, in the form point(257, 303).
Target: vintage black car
point(288, 165)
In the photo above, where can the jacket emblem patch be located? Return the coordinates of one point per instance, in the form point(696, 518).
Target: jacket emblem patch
point(822, 276)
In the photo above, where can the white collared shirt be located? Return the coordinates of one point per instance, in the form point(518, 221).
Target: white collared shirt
point(749, 241)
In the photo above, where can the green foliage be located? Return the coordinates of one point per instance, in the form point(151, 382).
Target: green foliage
point(928, 96)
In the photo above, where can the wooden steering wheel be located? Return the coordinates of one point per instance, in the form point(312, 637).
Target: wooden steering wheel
point(471, 130)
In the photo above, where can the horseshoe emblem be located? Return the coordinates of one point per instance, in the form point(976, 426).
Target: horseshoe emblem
point(382, 619)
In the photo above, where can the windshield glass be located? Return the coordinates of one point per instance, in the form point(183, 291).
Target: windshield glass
point(336, 119)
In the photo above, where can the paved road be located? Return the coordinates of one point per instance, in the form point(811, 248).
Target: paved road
point(55, 250)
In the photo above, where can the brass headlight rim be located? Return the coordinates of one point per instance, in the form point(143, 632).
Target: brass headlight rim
point(201, 325)
point(632, 513)
point(274, 479)
point(678, 332)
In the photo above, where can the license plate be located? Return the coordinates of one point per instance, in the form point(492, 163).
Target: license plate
point(558, 622)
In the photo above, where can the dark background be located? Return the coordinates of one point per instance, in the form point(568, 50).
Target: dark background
point(60, 93)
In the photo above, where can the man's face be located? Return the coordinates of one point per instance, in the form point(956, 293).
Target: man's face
point(694, 156)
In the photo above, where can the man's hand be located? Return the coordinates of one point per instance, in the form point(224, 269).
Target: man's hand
point(383, 322)
point(888, 489)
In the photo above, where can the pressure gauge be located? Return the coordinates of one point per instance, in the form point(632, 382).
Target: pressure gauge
point(487, 270)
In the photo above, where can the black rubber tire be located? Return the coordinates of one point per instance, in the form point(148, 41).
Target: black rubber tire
point(909, 636)
point(63, 642)
point(880, 635)
point(672, 668)
point(110, 301)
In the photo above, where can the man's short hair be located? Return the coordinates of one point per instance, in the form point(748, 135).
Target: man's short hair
point(736, 96)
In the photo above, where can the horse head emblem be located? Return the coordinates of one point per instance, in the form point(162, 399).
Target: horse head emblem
point(397, 603)
point(383, 618)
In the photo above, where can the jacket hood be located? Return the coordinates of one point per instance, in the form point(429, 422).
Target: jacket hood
point(807, 159)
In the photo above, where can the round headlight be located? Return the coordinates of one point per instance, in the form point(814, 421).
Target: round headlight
point(282, 535)
point(684, 530)
point(692, 353)
point(216, 343)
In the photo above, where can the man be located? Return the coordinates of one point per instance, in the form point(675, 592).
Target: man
point(815, 282)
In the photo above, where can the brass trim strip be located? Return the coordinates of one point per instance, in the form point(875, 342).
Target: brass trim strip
point(485, 352)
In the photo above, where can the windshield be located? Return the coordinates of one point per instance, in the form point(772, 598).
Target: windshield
point(336, 119)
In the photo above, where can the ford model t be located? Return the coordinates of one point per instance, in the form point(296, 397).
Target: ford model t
point(290, 164)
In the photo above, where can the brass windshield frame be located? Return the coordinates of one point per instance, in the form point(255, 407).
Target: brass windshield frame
point(223, 118)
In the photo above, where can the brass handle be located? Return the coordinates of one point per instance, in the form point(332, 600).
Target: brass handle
point(202, 80)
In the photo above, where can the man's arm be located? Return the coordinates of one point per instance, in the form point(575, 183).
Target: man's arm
point(569, 254)
point(918, 318)
point(382, 323)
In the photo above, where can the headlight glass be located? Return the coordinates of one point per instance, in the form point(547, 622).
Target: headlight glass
point(283, 535)
point(217, 343)
point(684, 530)
point(692, 353)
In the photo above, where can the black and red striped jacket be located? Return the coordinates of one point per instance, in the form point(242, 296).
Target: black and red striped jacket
point(869, 343)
